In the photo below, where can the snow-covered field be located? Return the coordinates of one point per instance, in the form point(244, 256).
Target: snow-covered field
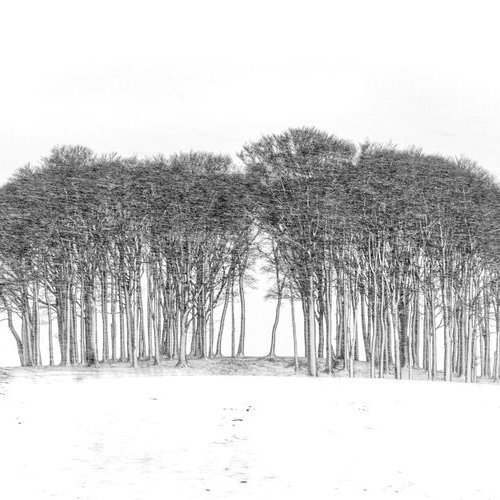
point(71, 436)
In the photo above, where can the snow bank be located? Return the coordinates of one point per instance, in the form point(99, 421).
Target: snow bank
point(237, 437)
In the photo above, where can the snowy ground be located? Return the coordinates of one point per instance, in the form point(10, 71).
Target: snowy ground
point(85, 435)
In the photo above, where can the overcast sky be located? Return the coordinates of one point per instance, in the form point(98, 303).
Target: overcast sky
point(146, 77)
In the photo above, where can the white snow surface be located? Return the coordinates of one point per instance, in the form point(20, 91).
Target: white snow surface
point(216, 437)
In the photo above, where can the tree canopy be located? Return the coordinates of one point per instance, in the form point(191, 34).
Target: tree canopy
point(388, 251)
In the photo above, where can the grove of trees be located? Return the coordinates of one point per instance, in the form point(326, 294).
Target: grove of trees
point(386, 255)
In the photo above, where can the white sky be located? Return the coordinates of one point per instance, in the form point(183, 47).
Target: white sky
point(163, 76)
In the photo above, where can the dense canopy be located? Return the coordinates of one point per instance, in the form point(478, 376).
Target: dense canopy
point(391, 254)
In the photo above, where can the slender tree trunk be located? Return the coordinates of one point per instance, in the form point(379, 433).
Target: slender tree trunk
point(374, 337)
point(104, 313)
point(49, 321)
point(183, 319)
point(364, 329)
point(241, 286)
point(113, 321)
point(141, 337)
point(446, 326)
point(233, 322)
point(272, 350)
point(149, 312)
point(425, 334)
point(395, 324)
point(381, 368)
point(83, 347)
point(409, 335)
point(487, 343)
point(27, 356)
point(211, 327)
point(121, 314)
point(36, 324)
point(497, 331)
point(90, 341)
point(157, 324)
point(321, 333)
point(129, 316)
point(328, 312)
point(294, 333)
point(312, 364)
point(305, 315)
point(218, 351)
point(416, 330)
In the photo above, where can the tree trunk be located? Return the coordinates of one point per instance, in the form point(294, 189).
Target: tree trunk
point(272, 350)
point(113, 322)
point(19, 343)
point(312, 363)
point(241, 346)
point(294, 333)
point(49, 321)
point(211, 327)
point(218, 351)
point(104, 313)
point(233, 322)
point(91, 355)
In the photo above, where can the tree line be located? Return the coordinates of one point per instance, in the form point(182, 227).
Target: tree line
point(383, 254)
